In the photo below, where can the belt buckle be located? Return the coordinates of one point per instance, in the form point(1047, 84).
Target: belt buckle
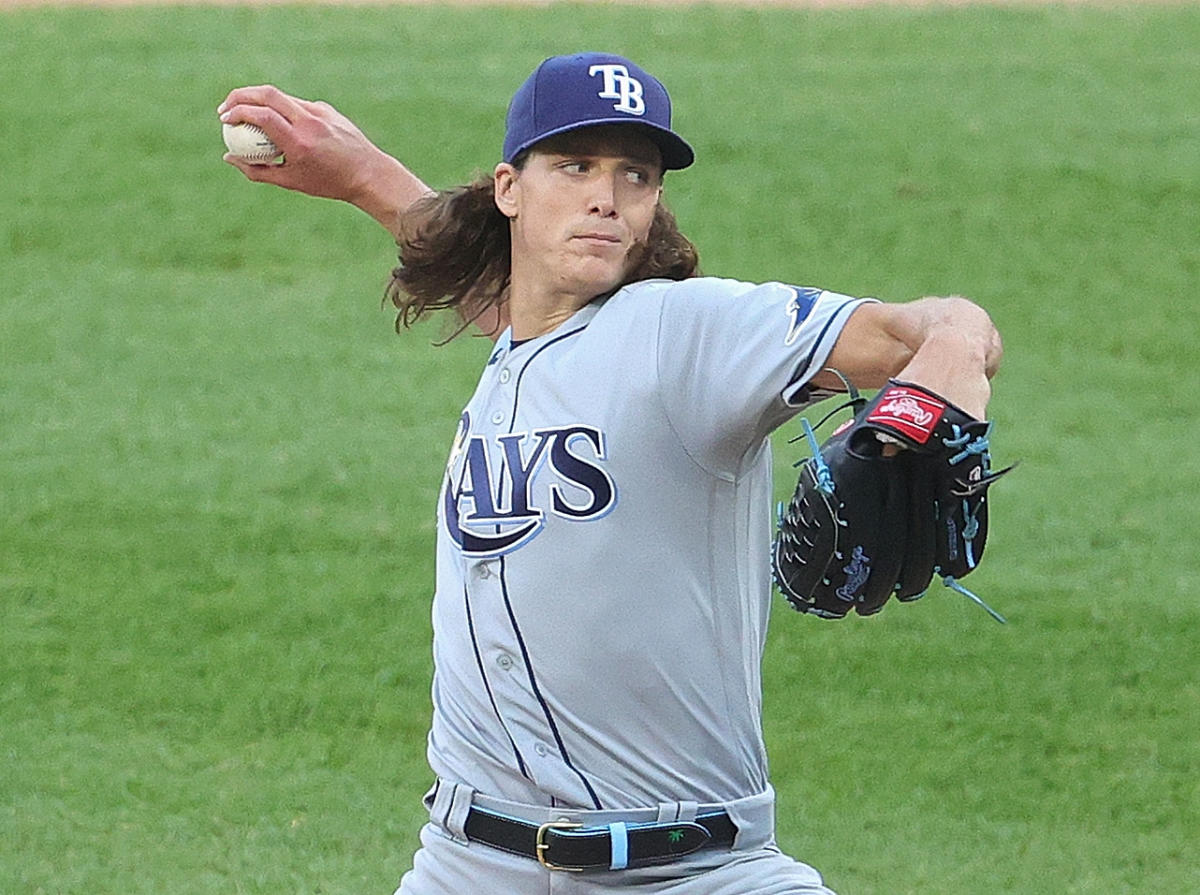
point(542, 845)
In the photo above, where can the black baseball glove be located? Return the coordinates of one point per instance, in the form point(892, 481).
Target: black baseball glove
point(894, 497)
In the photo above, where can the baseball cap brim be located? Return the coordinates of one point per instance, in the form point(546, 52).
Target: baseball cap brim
point(676, 152)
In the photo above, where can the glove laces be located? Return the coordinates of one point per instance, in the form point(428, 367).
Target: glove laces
point(952, 583)
point(970, 445)
point(821, 474)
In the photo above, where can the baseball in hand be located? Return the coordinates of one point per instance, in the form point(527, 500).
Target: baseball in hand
point(250, 143)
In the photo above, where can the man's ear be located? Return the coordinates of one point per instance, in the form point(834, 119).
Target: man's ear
point(504, 181)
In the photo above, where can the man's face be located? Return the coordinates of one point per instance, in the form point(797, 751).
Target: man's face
point(579, 207)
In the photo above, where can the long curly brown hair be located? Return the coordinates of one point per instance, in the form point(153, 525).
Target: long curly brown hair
point(455, 252)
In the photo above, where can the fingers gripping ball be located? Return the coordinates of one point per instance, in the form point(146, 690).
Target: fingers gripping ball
point(250, 143)
point(894, 497)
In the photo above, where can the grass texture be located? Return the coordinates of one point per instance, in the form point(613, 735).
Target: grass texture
point(218, 463)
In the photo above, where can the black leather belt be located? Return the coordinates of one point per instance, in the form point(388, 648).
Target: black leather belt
point(559, 845)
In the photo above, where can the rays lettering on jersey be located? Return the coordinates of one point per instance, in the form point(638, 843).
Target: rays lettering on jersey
point(496, 497)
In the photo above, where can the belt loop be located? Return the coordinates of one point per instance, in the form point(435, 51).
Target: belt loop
point(619, 833)
point(673, 812)
point(451, 802)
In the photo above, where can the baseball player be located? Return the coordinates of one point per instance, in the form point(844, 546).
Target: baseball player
point(604, 523)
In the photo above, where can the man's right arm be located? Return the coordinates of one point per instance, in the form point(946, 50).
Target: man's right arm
point(325, 154)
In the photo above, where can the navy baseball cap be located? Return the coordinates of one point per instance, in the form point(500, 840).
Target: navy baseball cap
point(566, 93)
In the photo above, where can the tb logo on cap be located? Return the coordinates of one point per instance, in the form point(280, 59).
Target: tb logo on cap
point(621, 86)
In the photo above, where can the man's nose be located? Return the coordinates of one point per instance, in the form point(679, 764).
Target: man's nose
point(603, 194)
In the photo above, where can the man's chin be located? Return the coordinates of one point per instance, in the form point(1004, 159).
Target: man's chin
point(601, 279)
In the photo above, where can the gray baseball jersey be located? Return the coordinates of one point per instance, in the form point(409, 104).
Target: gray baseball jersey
point(603, 580)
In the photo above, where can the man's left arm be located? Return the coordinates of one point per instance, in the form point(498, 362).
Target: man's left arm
point(947, 345)
point(898, 495)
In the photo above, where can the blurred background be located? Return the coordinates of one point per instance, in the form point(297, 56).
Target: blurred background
point(219, 462)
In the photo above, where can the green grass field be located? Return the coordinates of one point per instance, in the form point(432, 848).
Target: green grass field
point(218, 463)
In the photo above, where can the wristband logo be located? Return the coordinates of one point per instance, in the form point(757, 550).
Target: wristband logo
point(907, 413)
point(907, 408)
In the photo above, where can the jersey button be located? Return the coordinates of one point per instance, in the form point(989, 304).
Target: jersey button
point(504, 660)
point(541, 749)
point(505, 375)
point(497, 417)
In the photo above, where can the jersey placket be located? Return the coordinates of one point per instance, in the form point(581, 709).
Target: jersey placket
point(503, 654)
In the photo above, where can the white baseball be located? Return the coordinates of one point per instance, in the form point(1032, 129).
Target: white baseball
point(250, 143)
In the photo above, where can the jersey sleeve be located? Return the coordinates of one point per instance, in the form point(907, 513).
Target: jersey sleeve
point(735, 360)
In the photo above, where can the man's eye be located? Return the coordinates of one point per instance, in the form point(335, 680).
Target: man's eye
point(574, 167)
point(636, 176)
